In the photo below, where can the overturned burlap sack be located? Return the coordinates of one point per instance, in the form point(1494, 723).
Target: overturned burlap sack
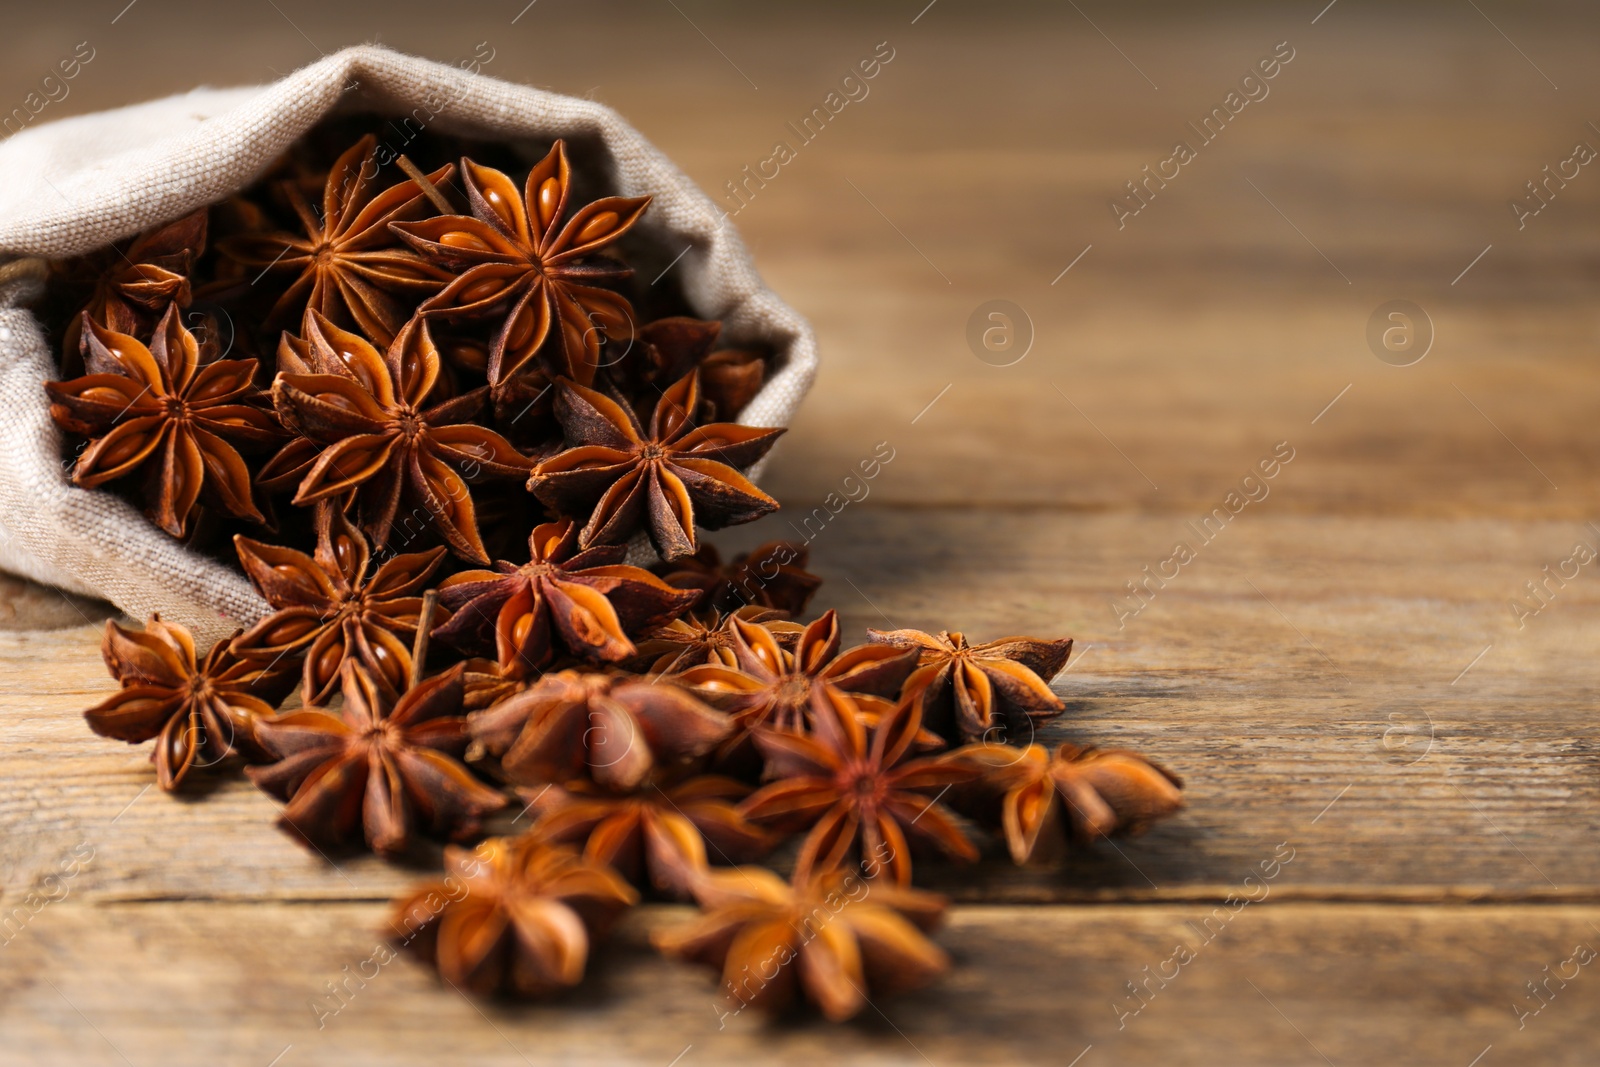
point(82, 183)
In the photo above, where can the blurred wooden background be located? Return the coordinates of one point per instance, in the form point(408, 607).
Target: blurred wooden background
point(1340, 670)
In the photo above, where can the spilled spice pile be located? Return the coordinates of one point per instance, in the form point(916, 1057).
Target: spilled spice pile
point(426, 418)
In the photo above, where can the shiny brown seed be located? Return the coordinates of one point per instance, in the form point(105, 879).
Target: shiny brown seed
point(124, 450)
point(468, 355)
point(288, 632)
point(598, 226)
point(462, 239)
point(394, 670)
point(549, 200)
point(338, 400)
point(482, 291)
point(521, 328)
point(328, 662)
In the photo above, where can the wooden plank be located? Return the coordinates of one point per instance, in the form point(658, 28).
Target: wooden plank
point(27, 606)
point(1079, 425)
point(1268, 984)
point(1308, 677)
point(1339, 670)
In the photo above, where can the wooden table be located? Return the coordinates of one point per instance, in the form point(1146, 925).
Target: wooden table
point(1339, 673)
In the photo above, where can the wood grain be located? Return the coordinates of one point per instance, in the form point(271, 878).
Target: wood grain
point(1275, 983)
point(1339, 670)
point(1326, 708)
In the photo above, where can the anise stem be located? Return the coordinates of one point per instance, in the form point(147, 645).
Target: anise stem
point(429, 190)
point(419, 647)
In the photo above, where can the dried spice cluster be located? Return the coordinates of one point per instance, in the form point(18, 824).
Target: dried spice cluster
point(457, 345)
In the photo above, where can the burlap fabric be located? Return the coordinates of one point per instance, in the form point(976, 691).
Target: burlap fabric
point(84, 182)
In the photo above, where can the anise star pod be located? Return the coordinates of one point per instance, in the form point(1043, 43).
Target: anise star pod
point(328, 609)
point(161, 410)
point(772, 575)
point(516, 260)
point(380, 438)
point(858, 792)
point(667, 481)
point(350, 267)
point(1087, 793)
point(977, 692)
point(199, 711)
point(487, 684)
point(830, 939)
point(135, 285)
point(667, 833)
point(612, 729)
point(665, 350)
point(513, 917)
point(378, 769)
point(702, 637)
point(561, 602)
point(774, 687)
point(730, 379)
point(669, 348)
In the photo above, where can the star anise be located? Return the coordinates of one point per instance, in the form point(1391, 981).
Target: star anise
point(612, 729)
point(350, 267)
point(330, 610)
point(830, 939)
point(199, 711)
point(1084, 793)
point(560, 602)
point(669, 348)
point(730, 379)
point(379, 769)
point(666, 832)
point(973, 692)
point(703, 637)
point(135, 285)
point(847, 787)
point(775, 687)
point(487, 685)
point(515, 916)
point(381, 440)
point(160, 409)
point(771, 575)
point(666, 482)
point(525, 408)
point(664, 351)
point(519, 262)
